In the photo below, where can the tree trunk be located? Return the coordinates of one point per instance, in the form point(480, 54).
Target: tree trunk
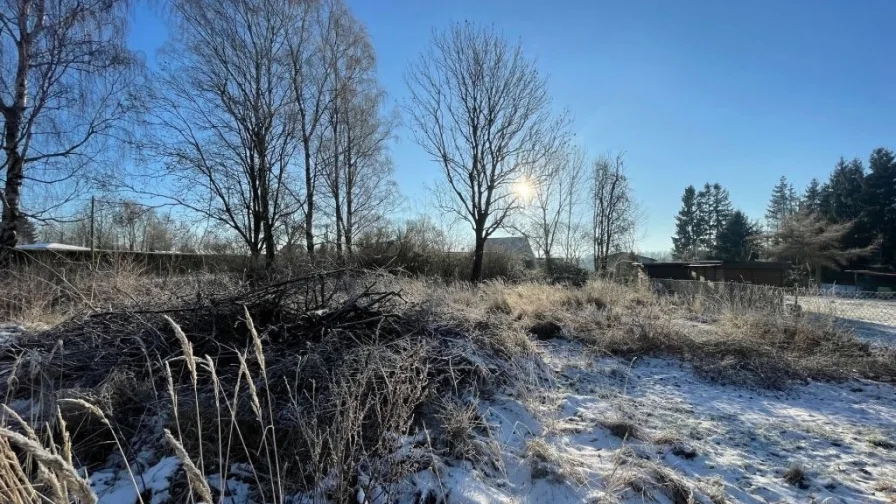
point(349, 189)
point(12, 191)
point(15, 162)
point(478, 255)
point(269, 245)
point(548, 262)
point(309, 214)
point(594, 257)
point(337, 205)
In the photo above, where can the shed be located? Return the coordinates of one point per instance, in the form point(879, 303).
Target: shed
point(877, 281)
point(51, 246)
point(514, 245)
point(753, 272)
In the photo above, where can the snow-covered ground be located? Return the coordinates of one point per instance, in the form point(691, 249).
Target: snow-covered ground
point(591, 428)
point(873, 320)
point(8, 333)
point(682, 434)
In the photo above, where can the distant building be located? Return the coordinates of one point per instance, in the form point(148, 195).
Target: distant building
point(514, 245)
point(614, 260)
point(51, 246)
point(754, 272)
point(874, 281)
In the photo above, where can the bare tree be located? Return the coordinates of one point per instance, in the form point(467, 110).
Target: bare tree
point(64, 72)
point(480, 108)
point(614, 210)
point(358, 172)
point(311, 78)
point(223, 118)
point(549, 218)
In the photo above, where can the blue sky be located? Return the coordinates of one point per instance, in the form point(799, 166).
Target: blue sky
point(694, 91)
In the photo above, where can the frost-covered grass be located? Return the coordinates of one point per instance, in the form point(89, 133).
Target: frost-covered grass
point(491, 393)
point(696, 439)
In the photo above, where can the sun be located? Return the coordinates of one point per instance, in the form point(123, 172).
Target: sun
point(524, 189)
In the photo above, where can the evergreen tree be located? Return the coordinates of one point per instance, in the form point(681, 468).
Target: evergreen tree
point(880, 202)
point(736, 241)
point(685, 241)
point(782, 205)
point(845, 191)
point(811, 201)
point(721, 207)
point(793, 201)
point(825, 201)
point(703, 225)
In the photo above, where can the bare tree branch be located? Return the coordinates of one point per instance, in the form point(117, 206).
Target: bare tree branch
point(481, 110)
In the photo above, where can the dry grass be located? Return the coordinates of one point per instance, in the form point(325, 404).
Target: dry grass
point(328, 416)
point(648, 478)
point(325, 400)
point(623, 429)
point(43, 295)
point(547, 462)
point(796, 476)
point(459, 425)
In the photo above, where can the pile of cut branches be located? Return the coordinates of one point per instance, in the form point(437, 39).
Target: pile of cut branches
point(338, 349)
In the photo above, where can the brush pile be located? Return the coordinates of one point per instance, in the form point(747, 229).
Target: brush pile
point(315, 383)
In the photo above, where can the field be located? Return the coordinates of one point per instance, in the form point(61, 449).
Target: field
point(355, 386)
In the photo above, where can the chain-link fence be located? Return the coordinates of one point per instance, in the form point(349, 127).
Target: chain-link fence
point(871, 315)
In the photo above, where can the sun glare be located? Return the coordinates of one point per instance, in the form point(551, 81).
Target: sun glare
point(524, 189)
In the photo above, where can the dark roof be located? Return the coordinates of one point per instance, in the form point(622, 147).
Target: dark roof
point(624, 256)
point(50, 246)
point(872, 273)
point(720, 264)
point(510, 245)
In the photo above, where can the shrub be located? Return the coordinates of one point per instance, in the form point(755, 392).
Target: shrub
point(564, 272)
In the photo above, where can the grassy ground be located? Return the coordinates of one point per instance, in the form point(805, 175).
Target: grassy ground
point(373, 388)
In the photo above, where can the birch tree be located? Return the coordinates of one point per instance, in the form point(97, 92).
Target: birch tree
point(65, 71)
point(358, 172)
point(614, 212)
point(549, 219)
point(224, 119)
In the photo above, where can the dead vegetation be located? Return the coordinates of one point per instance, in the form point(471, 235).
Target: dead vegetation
point(334, 383)
point(740, 345)
point(314, 382)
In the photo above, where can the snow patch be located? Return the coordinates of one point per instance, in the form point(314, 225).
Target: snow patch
point(115, 486)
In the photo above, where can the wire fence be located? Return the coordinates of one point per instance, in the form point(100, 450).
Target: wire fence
point(860, 309)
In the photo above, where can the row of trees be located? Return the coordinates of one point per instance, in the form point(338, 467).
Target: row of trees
point(265, 119)
point(577, 209)
point(864, 199)
point(129, 225)
point(269, 121)
point(849, 219)
point(703, 215)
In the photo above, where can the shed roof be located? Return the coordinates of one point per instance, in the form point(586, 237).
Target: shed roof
point(50, 246)
point(511, 245)
point(872, 273)
point(721, 264)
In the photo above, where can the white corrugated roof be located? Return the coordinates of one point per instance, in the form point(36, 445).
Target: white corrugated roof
point(50, 246)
